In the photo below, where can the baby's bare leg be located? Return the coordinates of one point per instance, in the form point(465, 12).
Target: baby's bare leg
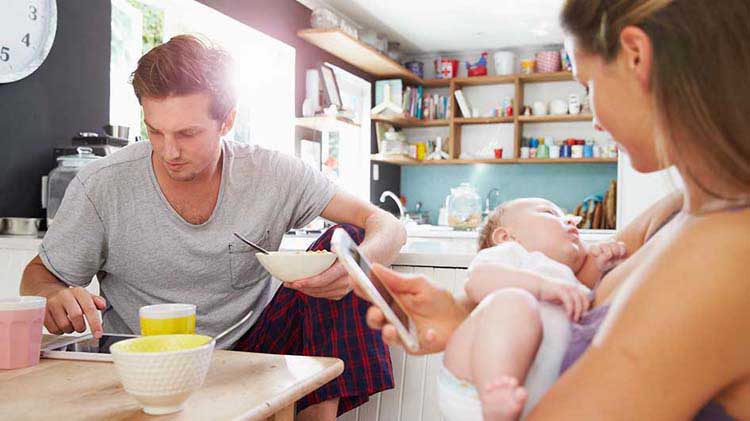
point(495, 348)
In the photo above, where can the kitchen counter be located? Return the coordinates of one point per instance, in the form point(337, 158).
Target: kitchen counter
point(448, 249)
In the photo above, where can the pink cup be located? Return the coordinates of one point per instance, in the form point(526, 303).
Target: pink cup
point(21, 320)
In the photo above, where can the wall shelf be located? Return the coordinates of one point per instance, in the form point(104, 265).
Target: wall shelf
point(404, 160)
point(409, 121)
point(325, 123)
point(357, 53)
point(483, 120)
point(376, 63)
point(555, 118)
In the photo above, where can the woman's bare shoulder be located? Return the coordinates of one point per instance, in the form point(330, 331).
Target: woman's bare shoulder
point(724, 237)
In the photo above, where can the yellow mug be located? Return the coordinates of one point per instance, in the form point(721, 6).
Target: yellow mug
point(167, 319)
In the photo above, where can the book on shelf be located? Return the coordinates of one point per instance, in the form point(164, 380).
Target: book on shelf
point(424, 107)
point(463, 104)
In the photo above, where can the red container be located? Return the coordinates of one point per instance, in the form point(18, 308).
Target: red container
point(499, 153)
point(446, 68)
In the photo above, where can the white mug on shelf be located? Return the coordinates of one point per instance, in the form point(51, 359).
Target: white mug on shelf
point(539, 108)
point(558, 107)
point(574, 104)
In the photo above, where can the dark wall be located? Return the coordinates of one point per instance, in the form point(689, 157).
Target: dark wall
point(68, 93)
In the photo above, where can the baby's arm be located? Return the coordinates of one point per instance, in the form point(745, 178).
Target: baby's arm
point(487, 277)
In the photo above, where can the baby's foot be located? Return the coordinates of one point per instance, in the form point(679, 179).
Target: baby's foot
point(503, 399)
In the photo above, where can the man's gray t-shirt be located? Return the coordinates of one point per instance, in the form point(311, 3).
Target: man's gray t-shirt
point(114, 221)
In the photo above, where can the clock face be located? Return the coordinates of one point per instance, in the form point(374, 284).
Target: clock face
point(27, 30)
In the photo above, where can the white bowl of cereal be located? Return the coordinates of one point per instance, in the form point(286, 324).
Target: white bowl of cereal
point(290, 266)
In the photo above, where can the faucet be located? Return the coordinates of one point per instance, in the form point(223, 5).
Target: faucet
point(386, 194)
point(487, 209)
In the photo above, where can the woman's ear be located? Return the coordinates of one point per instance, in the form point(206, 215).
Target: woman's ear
point(500, 235)
point(636, 51)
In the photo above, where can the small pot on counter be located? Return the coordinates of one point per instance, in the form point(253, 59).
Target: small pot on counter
point(21, 226)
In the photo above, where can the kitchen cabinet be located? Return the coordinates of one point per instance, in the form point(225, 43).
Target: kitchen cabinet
point(414, 396)
point(15, 253)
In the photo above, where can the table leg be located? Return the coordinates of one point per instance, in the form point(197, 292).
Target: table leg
point(286, 414)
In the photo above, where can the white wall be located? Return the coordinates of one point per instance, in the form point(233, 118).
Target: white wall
point(636, 191)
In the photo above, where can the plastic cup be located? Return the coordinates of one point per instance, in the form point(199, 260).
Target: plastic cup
point(21, 320)
point(167, 319)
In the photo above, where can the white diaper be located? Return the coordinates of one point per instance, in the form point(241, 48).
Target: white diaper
point(459, 400)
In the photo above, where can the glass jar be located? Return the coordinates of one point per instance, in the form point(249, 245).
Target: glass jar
point(464, 208)
point(324, 19)
point(60, 176)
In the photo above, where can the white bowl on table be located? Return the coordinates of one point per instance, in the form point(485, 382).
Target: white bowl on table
point(162, 371)
point(290, 266)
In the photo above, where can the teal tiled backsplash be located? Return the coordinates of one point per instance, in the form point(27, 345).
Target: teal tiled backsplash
point(565, 184)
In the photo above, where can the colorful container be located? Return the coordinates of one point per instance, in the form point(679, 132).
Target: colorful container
point(21, 320)
point(548, 61)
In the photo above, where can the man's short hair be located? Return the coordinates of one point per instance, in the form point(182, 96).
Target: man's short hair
point(185, 65)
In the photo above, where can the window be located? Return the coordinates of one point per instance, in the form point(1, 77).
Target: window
point(265, 65)
point(346, 153)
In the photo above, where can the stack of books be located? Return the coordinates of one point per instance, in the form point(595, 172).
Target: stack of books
point(429, 107)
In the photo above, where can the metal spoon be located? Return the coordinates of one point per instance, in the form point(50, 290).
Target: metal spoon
point(233, 327)
point(251, 244)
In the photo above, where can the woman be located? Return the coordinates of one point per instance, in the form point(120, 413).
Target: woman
point(668, 80)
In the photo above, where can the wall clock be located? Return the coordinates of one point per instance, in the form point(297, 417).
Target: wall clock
point(27, 31)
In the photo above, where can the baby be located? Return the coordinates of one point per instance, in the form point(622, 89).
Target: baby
point(533, 252)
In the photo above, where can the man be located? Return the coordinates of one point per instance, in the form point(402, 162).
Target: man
point(154, 222)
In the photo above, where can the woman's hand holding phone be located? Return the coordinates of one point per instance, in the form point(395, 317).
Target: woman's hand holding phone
point(433, 310)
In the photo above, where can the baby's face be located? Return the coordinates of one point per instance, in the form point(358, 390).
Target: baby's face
point(540, 225)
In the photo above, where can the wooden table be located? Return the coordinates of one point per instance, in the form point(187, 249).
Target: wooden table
point(239, 385)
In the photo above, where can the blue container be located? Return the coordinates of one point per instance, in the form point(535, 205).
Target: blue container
point(565, 151)
point(588, 151)
point(416, 67)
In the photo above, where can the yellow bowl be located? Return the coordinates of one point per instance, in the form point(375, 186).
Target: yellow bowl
point(162, 371)
point(161, 343)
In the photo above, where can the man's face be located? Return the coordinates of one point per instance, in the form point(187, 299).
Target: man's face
point(184, 135)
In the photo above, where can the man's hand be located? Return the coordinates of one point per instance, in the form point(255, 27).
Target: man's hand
point(332, 284)
point(572, 298)
point(69, 309)
point(608, 255)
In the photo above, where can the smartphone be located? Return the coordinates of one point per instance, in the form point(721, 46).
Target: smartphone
point(84, 347)
point(360, 270)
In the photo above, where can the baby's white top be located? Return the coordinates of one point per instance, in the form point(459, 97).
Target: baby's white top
point(512, 254)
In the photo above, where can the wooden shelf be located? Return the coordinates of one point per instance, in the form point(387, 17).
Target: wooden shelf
point(358, 54)
point(436, 83)
point(545, 77)
point(485, 80)
point(394, 159)
point(554, 118)
point(403, 160)
point(483, 120)
point(325, 123)
point(569, 161)
point(510, 79)
point(410, 121)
